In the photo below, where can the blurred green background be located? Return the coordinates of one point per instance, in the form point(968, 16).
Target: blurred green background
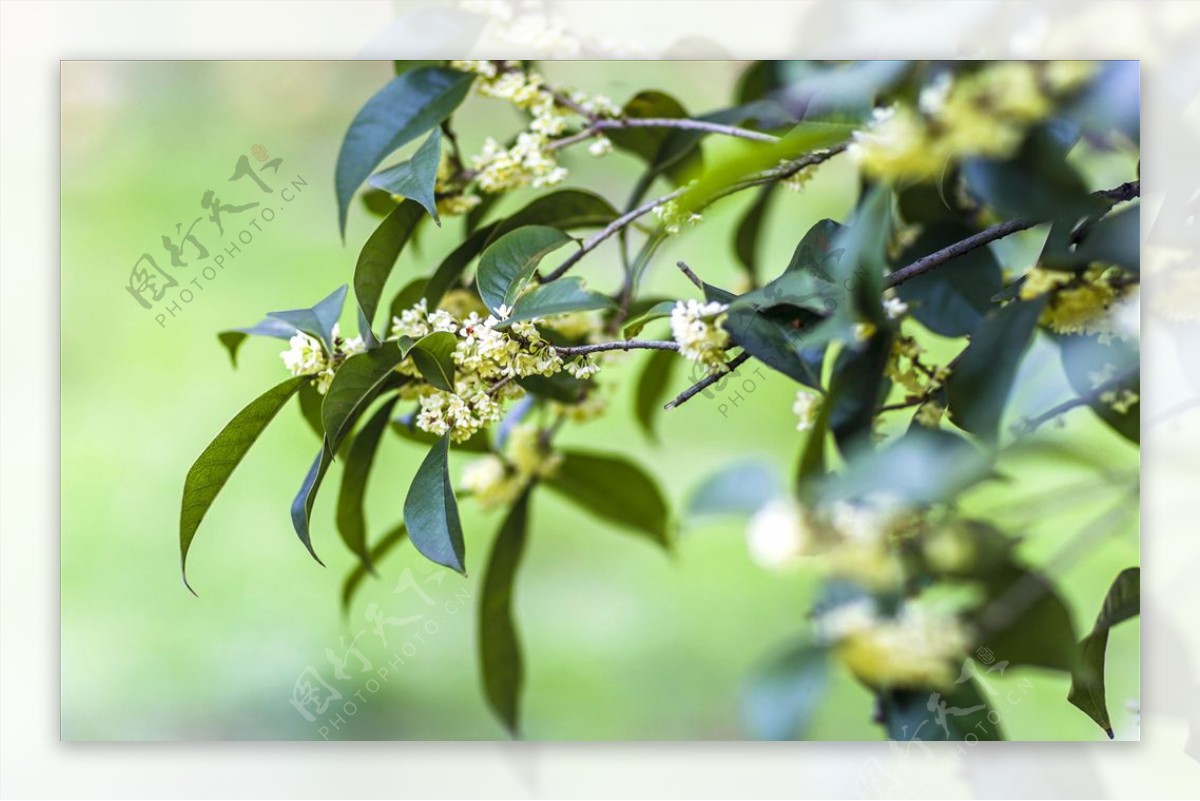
point(621, 641)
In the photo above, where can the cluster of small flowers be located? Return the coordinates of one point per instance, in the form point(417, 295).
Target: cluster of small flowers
point(806, 407)
point(904, 367)
point(1119, 399)
point(799, 179)
point(486, 361)
point(673, 218)
point(697, 327)
point(1079, 304)
point(893, 307)
point(921, 645)
point(495, 480)
point(983, 113)
point(529, 161)
point(533, 28)
point(306, 355)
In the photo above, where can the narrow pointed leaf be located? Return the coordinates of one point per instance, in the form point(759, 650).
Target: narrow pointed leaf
point(508, 263)
point(557, 297)
point(433, 355)
point(270, 327)
point(218, 461)
point(410, 105)
point(351, 519)
point(302, 504)
point(1122, 602)
point(499, 646)
point(416, 177)
point(431, 511)
point(358, 381)
point(379, 254)
point(317, 321)
point(783, 695)
point(614, 490)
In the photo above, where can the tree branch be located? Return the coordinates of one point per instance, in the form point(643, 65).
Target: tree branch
point(599, 125)
point(700, 386)
point(624, 344)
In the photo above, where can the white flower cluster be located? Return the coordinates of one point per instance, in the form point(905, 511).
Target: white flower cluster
point(806, 407)
point(779, 534)
point(529, 161)
point(306, 355)
point(498, 481)
point(922, 646)
point(486, 360)
point(673, 218)
point(697, 328)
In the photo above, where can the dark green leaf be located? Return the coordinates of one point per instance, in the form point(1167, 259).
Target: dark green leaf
point(431, 512)
point(1026, 622)
point(357, 382)
point(317, 321)
point(615, 490)
point(1083, 357)
point(379, 255)
point(982, 376)
point(857, 388)
point(1122, 602)
point(508, 263)
point(658, 311)
point(499, 646)
point(310, 408)
point(953, 299)
point(270, 327)
point(816, 252)
point(351, 520)
point(355, 577)
point(433, 355)
point(739, 489)
point(302, 504)
point(652, 385)
point(378, 202)
point(780, 339)
point(557, 297)
point(564, 209)
point(783, 695)
point(410, 105)
point(749, 231)
point(416, 177)
point(930, 716)
point(218, 461)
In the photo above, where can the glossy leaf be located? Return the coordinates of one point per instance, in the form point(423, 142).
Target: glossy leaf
point(415, 178)
point(355, 577)
point(783, 695)
point(379, 254)
point(499, 646)
point(737, 489)
point(351, 519)
point(615, 490)
point(411, 104)
point(557, 297)
point(270, 327)
point(317, 321)
point(357, 382)
point(508, 264)
point(981, 378)
point(302, 504)
point(564, 209)
point(433, 355)
point(653, 383)
point(1122, 602)
point(217, 462)
point(431, 511)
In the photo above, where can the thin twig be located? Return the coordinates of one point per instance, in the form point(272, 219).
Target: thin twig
point(700, 386)
point(624, 344)
point(608, 230)
point(695, 279)
point(1030, 425)
point(599, 125)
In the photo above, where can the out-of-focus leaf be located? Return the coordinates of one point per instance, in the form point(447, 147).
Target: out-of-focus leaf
point(816, 252)
point(815, 90)
point(614, 490)
point(738, 489)
point(217, 462)
point(378, 202)
point(1026, 622)
point(1122, 602)
point(1113, 239)
point(931, 716)
point(378, 257)
point(564, 209)
point(270, 327)
point(317, 321)
point(811, 468)
point(658, 311)
point(302, 504)
point(749, 231)
point(561, 387)
point(415, 178)
point(652, 385)
point(508, 263)
point(357, 382)
point(355, 577)
point(351, 519)
point(410, 105)
point(310, 408)
point(1085, 358)
point(981, 378)
point(857, 388)
point(953, 299)
point(557, 297)
point(431, 511)
point(499, 646)
point(1110, 105)
point(783, 695)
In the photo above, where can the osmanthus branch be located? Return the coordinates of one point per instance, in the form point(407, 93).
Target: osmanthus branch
point(601, 124)
point(705, 383)
point(1124, 192)
point(622, 344)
